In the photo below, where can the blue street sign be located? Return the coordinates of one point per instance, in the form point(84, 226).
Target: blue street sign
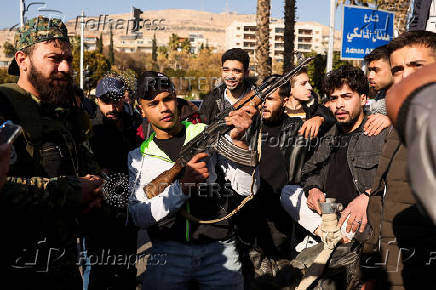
point(365, 29)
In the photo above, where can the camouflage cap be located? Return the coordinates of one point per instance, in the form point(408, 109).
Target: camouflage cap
point(37, 30)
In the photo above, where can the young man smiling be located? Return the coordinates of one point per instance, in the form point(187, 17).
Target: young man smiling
point(203, 254)
point(234, 74)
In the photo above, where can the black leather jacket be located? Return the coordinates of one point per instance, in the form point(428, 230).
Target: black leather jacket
point(294, 148)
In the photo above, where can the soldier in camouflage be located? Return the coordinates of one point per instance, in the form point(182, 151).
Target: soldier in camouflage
point(44, 194)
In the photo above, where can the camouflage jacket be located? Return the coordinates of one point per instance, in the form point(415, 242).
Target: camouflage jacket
point(41, 200)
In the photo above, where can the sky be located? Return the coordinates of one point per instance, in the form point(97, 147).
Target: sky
point(307, 10)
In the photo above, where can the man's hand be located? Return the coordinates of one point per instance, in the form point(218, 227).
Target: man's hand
point(311, 127)
point(241, 121)
point(376, 123)
point(4, 163)
point(315, 196)
point(91, 192)
point(357, 212)
point(196, 171)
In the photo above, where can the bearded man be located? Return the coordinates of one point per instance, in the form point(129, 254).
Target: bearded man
point(44, 194)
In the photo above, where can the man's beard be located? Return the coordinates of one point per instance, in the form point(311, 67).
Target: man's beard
point(59, 95)
point(350, 123)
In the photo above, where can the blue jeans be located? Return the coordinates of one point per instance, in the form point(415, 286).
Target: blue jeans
point(174, 265)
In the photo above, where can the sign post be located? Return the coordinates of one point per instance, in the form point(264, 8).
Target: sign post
point(364, 29)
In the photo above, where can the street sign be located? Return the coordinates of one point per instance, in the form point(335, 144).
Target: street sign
point(364, 29)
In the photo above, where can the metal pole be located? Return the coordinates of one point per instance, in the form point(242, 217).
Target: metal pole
point(81, 49)
point(22, 8)
point(331, 35)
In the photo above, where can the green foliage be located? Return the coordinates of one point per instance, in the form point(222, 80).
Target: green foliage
point(163, 50)
point(173, 42)
point(154, 65)
point(7, 78)
point(97, 64)
point(99, 44)
point(316, 70)
point(111, 48)
point(186, 46)
point(9, 49)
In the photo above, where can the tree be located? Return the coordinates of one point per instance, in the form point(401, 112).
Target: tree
point(289, 35)
point(9, 49)
point(163, 51)
point(173, 42)
point(96, 63)
point(400, 7)
point(186, 46)
point(99, 44)
point(154, 65)
point(316, 69)
point(111, 47)
point(7, 78)
point(137, 61)
point(263, 65)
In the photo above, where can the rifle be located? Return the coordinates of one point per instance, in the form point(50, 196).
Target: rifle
point(213, 135)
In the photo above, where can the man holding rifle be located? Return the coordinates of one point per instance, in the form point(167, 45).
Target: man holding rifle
point(184, 249)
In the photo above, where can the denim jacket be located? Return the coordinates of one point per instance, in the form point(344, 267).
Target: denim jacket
point(363, 156)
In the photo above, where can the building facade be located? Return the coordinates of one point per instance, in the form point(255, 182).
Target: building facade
point(309, 36)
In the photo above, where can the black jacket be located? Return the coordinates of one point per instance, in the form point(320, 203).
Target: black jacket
point(294, 148)
point(363, 156)
point(263, 222)
point(110, 144)
point(214, 103)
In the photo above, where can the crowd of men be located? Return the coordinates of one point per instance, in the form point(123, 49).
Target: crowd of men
point(218, 224)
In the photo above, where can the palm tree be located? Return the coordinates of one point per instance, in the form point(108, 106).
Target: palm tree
point(154, 65)
point(399, 7)
point(289, 35)
point(263, 65)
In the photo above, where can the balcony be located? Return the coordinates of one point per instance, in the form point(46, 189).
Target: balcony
point(305, 39)
point(305, 31)
point(250, 28)
point(249, 36)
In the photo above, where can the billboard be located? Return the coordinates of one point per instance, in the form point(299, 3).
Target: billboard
point(364, 29)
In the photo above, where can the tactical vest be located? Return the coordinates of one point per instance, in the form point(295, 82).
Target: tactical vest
point(48, 145)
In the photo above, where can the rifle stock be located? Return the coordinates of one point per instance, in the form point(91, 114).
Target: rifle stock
point(157, 185)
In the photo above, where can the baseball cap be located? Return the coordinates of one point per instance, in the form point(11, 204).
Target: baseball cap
point(35, 30)
point(112, 87)
point(151, 83)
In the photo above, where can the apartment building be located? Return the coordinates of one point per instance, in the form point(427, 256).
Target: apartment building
point(309, 36)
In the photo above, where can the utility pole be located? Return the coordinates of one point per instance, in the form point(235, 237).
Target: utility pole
point(331, 35)
point(22, 11)
point(81, 48)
